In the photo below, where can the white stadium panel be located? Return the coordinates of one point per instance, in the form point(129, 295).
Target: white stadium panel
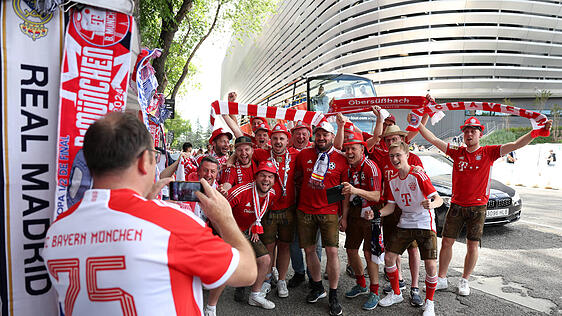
point(513, 45)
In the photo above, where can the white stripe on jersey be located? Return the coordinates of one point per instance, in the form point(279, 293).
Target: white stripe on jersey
point(229, 271)
point(239, 190)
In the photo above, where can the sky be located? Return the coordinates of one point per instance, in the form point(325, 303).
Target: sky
point(196, 103)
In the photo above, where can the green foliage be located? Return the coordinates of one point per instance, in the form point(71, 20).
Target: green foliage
point(245, 17)
point(503, 136)
point(183, 131)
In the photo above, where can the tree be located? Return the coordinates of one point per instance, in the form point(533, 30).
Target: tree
point(180, 129)
point(541, 96)
point(179, 28)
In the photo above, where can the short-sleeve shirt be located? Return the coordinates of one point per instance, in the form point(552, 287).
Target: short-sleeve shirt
point(241, 200)
point(287, 198)
point(408, 193)
point(313, 200)
point(471, 174)
point(157, 255)
point(389, 171)
point(366, 176)
point(238, 175)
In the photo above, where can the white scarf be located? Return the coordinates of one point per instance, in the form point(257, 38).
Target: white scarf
point(259, 210)
point(320, 169)
point(287, 168)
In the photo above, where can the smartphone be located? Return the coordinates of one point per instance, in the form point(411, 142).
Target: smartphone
point(185, 190)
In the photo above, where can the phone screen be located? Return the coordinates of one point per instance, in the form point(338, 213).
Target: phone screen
point(184, 191)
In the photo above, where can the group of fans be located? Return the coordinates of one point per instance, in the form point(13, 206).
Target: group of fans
point(285, 191)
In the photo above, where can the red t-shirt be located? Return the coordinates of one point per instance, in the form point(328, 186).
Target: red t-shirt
point(238, 175)
point(471, 174)
point(388, 170)
point(313, 200)
point(241, 201)
point(288, 198)
point(366, 176)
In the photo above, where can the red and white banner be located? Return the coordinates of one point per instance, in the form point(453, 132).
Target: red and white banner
point(538, 120)
point(356, 105)
point(94, 81)
point(223, 107)
point(30, 62)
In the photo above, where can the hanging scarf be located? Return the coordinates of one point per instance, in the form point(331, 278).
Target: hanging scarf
point(259, 210)
point(538, 120)
point(320, 169)
point(287, 168)
point(222, 107)
point(377, 242)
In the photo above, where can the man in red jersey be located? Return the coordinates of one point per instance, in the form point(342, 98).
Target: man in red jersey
point(362, 193)
point(318, 169)
point(279, 223)
point(301, 136)
point(153, 248)
point(244, 166)
point(471, 190)
point(249, 203)
point(261, 132)
point(413, 192)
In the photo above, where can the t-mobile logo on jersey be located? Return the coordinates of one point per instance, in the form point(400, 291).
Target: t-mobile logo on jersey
point(462, 165)
point(406, 198)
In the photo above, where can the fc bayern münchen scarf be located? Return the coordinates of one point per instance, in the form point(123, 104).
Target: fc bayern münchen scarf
point(259, 210)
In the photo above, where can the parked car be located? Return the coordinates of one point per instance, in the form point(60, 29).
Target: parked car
point(504, 205)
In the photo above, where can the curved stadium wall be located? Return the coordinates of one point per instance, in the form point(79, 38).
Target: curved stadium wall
point(488, 50)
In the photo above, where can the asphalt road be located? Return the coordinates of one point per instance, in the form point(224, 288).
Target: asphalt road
point(519, 272)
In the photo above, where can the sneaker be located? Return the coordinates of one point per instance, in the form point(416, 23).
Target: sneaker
point(210, 312)
point(275, 274)
point(349, 271)
point(261, 301)
point(335, 307)
point(265, 288)
point(315, 294)
point(464, 289)
point(296, 280)
point(356, 291)
point(415, 299)
point(388, 288)
point(429, 308)
point(282, 290)
point(239, 294)
point(391, 299)
point(442, 284)
point(371, 302)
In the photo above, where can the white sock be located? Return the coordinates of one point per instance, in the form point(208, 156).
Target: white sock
point(255, 293)
point(211, 308)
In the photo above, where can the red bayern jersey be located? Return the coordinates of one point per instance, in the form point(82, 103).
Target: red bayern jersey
point(116, 253)
point(378, 151)
point(287, 198)
point(239, 175)
point(309, 145)
point(241, 200)
point(189, 165)
point(408, 193)
point(313, 200)
point(366, 176)
point(471, 174)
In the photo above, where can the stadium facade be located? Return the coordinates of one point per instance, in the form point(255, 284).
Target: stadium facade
point(456, 50)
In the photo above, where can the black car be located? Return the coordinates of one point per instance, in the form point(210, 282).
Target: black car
point(504, 205)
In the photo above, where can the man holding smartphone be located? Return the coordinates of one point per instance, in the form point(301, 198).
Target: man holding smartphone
point(160, 249)
point(249, 203)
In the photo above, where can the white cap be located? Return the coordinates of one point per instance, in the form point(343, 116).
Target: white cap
point(325, 126)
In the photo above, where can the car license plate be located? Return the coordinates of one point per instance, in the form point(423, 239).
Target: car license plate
point(497, 213)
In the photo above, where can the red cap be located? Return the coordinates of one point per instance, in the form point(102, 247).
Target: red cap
point(263, 125)
point(280, 128)
point(301, 124)
point(391, 118)
point(352, 137)
point(219, 131)
point(472, 122)
point(268, 166)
